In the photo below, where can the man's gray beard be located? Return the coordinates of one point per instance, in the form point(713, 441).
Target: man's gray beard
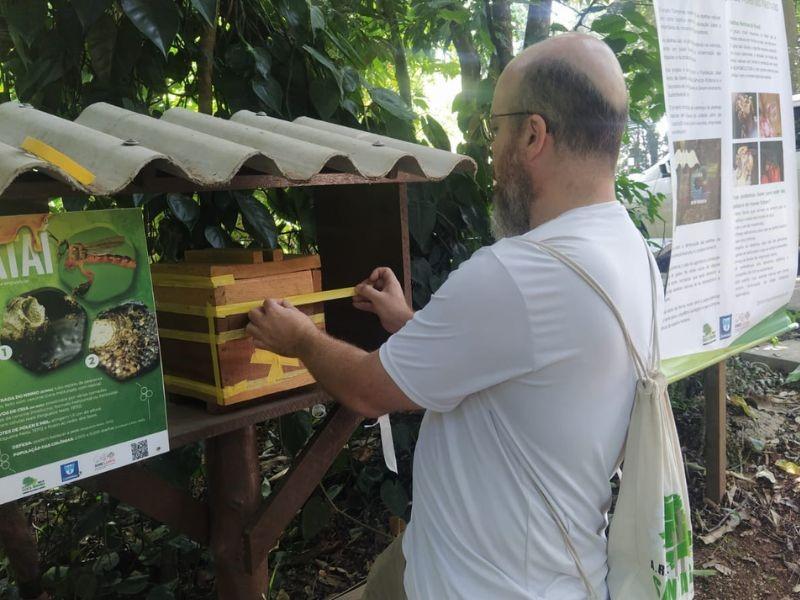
point(511, 207)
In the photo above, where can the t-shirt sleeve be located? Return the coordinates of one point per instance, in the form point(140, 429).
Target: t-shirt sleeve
point(473, 334)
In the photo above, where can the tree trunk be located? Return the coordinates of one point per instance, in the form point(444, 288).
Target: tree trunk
point(399, 52)
point(538, 26)
point(468, 59)
point(498, 15)
point(205, 65)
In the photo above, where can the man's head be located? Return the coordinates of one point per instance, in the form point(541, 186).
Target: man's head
point(559, 112)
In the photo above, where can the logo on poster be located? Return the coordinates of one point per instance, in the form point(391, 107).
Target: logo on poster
point(70, 471)
point(31, 484)
point(725, 326)
point(742, 321)
point(104, 460)
point(709, 335)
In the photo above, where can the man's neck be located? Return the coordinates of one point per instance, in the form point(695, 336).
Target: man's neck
point(567, 194)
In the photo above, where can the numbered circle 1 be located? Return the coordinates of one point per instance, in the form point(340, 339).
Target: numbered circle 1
point(5, 352)
point(92, 361)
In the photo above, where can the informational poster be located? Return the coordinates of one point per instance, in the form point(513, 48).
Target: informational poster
point(731, 131)
point(81, 388)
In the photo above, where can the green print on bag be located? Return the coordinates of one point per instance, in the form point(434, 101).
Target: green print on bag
point(677, 536)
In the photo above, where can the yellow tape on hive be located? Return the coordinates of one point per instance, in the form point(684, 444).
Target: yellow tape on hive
point(49, 154)
point(240, 308)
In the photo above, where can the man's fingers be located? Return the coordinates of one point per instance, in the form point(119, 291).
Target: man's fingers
point(365, 306)
point(369, 293)
point(255, 315)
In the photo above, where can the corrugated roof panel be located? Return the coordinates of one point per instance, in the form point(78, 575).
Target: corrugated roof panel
point(435, 163)
point(369, 160)
point(113, 164)
point(291, 158)
point(114, 145)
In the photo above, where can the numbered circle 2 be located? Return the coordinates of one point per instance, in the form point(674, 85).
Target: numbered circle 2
point(91, 361)
point(5, 352)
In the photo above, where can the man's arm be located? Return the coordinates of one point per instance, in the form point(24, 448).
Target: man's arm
point(354, 377)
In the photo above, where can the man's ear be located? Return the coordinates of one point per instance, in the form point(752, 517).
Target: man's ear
point(536, 136)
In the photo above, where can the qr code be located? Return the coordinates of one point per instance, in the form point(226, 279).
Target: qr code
point(139, 450)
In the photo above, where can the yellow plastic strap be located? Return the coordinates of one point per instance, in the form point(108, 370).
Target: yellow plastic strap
point(49, 154)
point(193, 281)
point(212, 338)
point(229, 391)
point(244, 307)
point(276, 363)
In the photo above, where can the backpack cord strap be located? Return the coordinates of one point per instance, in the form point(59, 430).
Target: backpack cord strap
point(639, 364)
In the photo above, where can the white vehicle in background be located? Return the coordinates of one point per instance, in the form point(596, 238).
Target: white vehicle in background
point(659, 181)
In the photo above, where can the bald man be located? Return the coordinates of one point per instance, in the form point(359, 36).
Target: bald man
point(520, 366)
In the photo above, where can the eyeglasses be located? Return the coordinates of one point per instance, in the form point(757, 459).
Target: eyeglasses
point(489, 128)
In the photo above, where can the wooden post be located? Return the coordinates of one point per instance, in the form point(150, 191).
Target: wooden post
point(234, 496)
point(359, 228)
point(19, 545)
point(716, 423)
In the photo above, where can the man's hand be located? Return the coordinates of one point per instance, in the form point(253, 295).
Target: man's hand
point(279, 327)
point(382, 295)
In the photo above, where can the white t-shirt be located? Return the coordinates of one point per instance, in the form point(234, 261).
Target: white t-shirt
point(524, 372)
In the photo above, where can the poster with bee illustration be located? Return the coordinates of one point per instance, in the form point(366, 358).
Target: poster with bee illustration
point(82, 390)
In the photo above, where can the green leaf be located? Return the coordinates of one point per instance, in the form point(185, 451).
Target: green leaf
point(315, 516)
point(89, 11)
point(258, 221)
point(26, 18)
point(106, 562)
point(325, 62)
point(609, 24)
point(269, 92)
point(295, 429)
point(160, 592)
point(324, 96)
point(394, 496)
point(392, 103)
point(185, 209)
point(793, 376)
point(435, 133)
point(158, 20)
point(135, 584)
point(100, 41)
point(207, 10)
point(294, 11)
point(263, 60)
point(215, 236)
point(317, 19)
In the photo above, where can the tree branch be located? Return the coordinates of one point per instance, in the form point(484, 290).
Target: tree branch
point(498, 16)
point(399, 52)
point(538, 25)
point(205, 65)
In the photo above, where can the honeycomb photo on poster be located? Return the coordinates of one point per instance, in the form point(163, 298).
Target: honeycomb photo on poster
point(745, 164)
point(769, 115)
point(44, 328)
point(96, 264)
point(125, 340)
point(697, 165)
point(771, 162)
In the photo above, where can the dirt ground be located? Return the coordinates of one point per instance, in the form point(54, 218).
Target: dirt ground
point(746, 548)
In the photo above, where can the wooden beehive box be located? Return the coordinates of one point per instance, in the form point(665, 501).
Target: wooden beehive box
point(202, 307)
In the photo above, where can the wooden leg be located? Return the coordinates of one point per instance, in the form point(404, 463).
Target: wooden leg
point(308, 470)
point(20, 548)
point(716, 462)
point(234, 496)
